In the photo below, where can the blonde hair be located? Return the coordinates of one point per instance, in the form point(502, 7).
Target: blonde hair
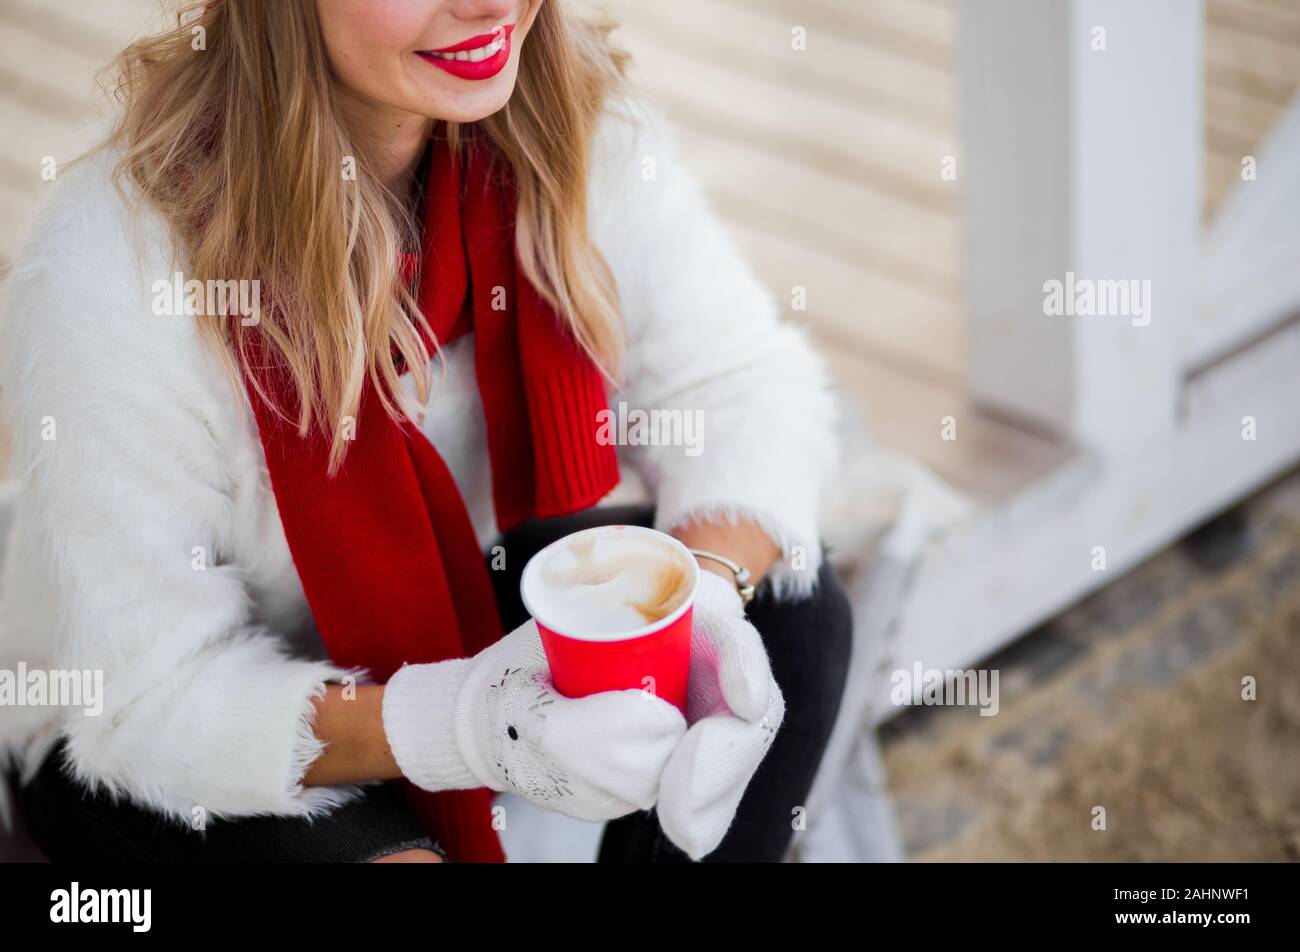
point(241, 147)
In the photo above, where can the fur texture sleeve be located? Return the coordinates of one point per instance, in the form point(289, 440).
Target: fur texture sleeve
point(124, 540)
point(704, 338)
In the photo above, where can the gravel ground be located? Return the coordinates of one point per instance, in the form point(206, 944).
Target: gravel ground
point(1132, 701)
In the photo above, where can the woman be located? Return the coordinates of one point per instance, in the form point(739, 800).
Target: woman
point(287, 526)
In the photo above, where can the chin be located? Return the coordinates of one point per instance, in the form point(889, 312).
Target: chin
point(471, 108)
point(460, 100)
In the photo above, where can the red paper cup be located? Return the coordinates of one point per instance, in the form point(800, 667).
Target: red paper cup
point(654, 657)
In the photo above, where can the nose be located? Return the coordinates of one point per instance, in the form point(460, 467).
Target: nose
point(480, 10)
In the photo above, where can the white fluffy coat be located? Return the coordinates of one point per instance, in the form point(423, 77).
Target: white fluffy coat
point(155, 462)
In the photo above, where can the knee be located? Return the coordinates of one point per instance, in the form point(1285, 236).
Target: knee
point(830, 633)
point(833, 614)
point(810, 644)
point(410, 856)
point(822, 624)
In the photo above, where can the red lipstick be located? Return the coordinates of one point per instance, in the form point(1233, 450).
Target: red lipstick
point(491, 49)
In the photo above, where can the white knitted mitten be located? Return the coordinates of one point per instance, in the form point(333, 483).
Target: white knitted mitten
point(494, 720)
point(735, 709)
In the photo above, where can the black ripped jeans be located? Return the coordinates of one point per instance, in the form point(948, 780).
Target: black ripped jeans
point(808, 643)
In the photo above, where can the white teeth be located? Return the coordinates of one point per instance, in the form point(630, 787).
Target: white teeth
point(476, 55)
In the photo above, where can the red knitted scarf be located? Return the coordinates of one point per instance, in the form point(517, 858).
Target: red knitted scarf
point(385, 549)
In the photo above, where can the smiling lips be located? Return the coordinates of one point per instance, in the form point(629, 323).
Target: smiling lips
point(479, 57)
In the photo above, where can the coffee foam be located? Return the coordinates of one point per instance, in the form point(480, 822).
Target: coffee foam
point(604, 583)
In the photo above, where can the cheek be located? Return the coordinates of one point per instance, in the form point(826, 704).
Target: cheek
point(369, 38)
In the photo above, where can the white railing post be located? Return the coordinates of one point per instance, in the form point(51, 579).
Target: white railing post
point(1081, 164)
